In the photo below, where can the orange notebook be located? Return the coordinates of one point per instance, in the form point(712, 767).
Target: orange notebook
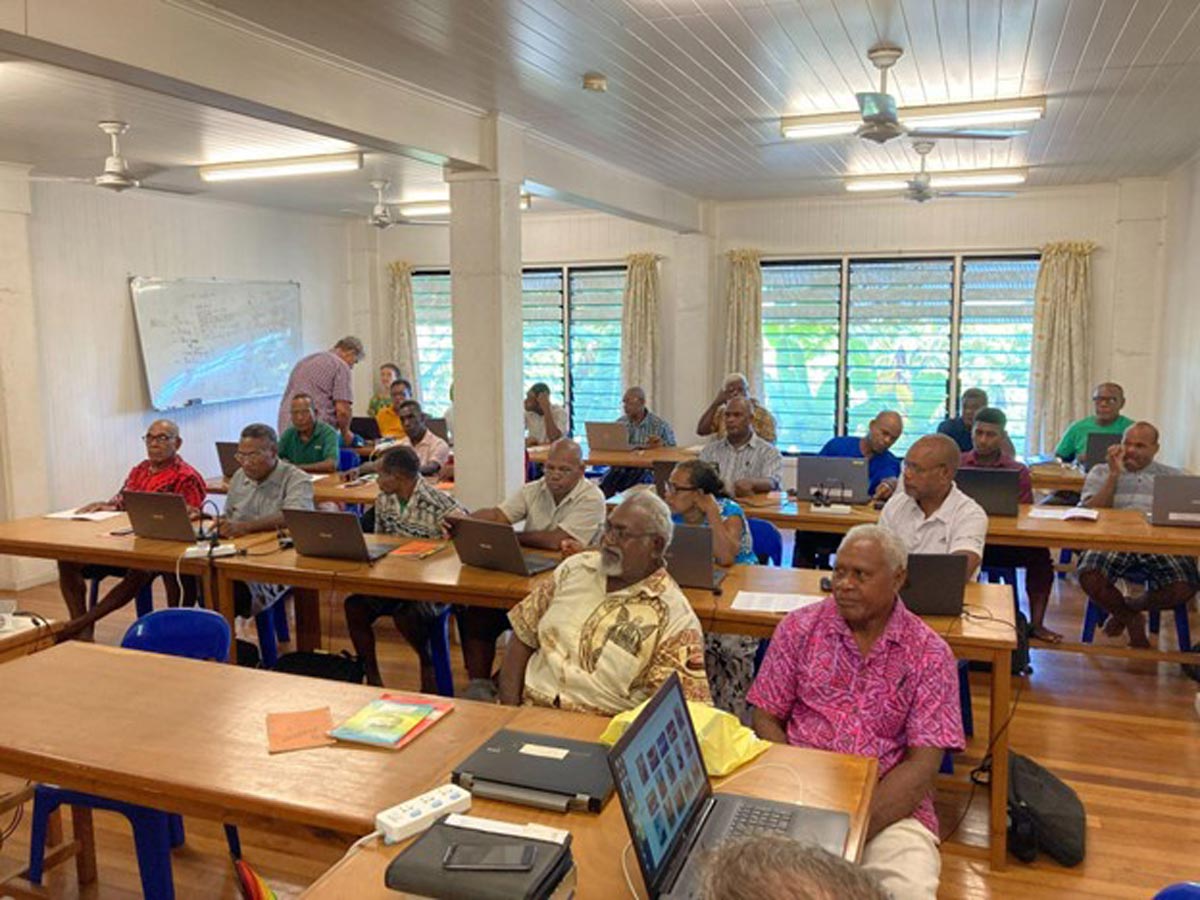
point(441, 708)
point(418, 549)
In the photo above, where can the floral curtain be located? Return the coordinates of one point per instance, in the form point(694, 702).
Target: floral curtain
point(743, 317)
point(402, 325)
point(1061, 342)
point(639, 324)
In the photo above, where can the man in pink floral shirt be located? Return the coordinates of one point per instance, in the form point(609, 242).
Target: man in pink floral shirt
point(858, 673)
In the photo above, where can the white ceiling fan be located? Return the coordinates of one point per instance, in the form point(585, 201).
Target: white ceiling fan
point(921, 189)
point(383, 215)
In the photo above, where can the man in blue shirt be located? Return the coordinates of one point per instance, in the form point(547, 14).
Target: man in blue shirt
point(645, 430)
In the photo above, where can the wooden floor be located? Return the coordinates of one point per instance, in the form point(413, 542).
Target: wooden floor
point(1125, 734)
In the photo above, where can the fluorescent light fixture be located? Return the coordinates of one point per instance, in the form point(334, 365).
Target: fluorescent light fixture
point(977, 178)
point(876, 184)
point(282, 168)
point(946, 115)
point(435, 209)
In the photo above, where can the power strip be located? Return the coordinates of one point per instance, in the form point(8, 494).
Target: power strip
point(415, 815)
point(832, 509)
point(204, 551)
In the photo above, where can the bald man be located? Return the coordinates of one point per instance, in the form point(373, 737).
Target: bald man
point(1126, 481)
point(645, 429)
point(930, 514)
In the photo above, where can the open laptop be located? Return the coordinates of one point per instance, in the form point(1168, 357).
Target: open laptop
point(1097, 448)
point(494, 545)
point(438, 427)
point(365, 427)
point(672, 813)
point(540, 770)
point(843, 480)
point(607, 436)
point(334, 535)
point(690, 558)
point(227, 454)
point(163, 517)
point(1176, 500)
point(998, 491)
point(936, 584)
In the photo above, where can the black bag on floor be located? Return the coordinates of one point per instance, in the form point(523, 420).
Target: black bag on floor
point(1020, 655)
point(1044, 814)
point(316, 664)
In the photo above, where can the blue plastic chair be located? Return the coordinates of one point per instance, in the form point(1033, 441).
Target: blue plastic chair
point(1095, 616)
point(188, 632)
point(968, 714)
point(439, 652)
point(347, 460)
point(768, 542)
point(272, 627)
point(1184, 890)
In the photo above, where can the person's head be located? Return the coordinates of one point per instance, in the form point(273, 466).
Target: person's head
point(302, 412)
point(162, 441)
point(563, 467)
point(988, 432)
point(870, 570)
point(973, 400)
point(350, 349)
point(398, 471)
point(780, 868)
point(388, 373)
point(1140, 443)
point(401, 392)
point(884, 430)
point(636, 537)
point(739, 420)
point(633, 402)
point(258, 451)
point(1108, 399)
point(929, 467)
point(689, 480)
point(533, 396)
point(736, 385)
point(412, 419)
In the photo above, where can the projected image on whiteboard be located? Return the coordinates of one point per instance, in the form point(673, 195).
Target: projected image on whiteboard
point(210, 340)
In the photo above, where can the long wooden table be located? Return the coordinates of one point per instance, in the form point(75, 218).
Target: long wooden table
point(1053, 476)
point(629, 459)
point(14, 644)
point(326, 489)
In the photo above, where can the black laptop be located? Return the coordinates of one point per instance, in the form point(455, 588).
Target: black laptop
point(540, 770)
point(365, 427)
point(998, 491)
point(936, 585)
point(674, 817)
point(837, 479)
point(333, 535)
point(494, 545)
point(690, 558)
point(1097, 448)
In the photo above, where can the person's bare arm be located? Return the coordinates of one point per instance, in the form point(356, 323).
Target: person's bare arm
point(543, 540)
point(237, 529)
point(898, 793)
point(743, 487)
point(553, 432)
point(342, 411)
point(512, 671)
point(707, 425)
point(1103, 498)
point(767, 727)
point(727, 533)
point(973, 560)
point(324, 467)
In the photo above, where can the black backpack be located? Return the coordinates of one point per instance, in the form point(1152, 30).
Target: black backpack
point(1020, 654)
point(316, 664)
point(1044, 814)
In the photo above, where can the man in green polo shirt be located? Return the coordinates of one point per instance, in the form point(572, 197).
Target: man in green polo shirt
point(1108, 399)
point(309, 445)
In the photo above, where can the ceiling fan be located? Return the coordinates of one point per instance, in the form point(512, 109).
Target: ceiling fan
point(383, 215)
point(920, 186)
point(117, 174)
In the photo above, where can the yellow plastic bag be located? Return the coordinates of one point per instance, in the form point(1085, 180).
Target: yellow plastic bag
point(725, 743)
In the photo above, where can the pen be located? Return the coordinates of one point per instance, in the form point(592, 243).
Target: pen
point(429, 553)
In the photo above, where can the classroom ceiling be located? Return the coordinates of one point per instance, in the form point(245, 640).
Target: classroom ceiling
point(696, 87)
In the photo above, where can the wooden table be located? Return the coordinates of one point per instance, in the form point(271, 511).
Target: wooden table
point(1053, 476)
point(14, 644)
point(326, 489)
point(822, 779)
point(630, 459)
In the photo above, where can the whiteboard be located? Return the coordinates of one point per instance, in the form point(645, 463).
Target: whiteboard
point(209, 340)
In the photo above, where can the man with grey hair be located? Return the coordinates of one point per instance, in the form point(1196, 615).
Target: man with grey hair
point(712, 420)
point(645, 429)
point(779, 868)
point(605, 631)
point(858, 673)
point(325, 376)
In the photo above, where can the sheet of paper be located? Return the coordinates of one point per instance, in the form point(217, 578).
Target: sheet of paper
point(299, 730)
point(754, 601)
point(83, 517)
point(1064, 513)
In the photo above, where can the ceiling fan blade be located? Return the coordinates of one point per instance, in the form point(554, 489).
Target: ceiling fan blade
point(59, 179)
point(976, 193)
point(168, 189)
point(965, 134)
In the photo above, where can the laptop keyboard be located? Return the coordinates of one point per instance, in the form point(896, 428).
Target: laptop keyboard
point(750, 819)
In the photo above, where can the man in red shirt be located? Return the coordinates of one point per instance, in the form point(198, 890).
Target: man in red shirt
point(164, 472)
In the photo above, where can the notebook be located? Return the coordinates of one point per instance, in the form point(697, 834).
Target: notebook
point(383, 723)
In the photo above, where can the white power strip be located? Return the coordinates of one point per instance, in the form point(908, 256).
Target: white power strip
point(204, 551)
point(415, 815)
point(833, 509)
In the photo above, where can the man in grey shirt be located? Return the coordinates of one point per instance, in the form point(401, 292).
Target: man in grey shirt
point(259, 491)
point(1126, 481)
point(747, 463)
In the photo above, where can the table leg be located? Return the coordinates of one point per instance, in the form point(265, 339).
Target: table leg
point(1001, 697)
point(81, 828)
point(225, 606)
point(308, 618)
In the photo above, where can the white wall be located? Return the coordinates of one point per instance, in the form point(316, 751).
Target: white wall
point(85, 244)
point(1179, 371)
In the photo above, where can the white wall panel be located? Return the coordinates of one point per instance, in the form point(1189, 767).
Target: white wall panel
point(1179, 370)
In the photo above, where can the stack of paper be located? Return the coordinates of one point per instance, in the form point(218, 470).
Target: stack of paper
point(83, 517)
point(753, 601)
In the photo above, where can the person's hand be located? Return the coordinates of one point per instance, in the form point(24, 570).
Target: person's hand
point(232, 529)
point(707, 504)
point(654, 441)
point(885, 489)
point(543, 401)
point(570, 546)
point(1116, 459)
point(98, 506)
point(743, 487)
point(447, 473)
point(730, 391)
point(451, 522)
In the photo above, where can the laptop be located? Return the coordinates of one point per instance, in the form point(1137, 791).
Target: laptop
point(493, 545)
point(607, 436)
point(690, 558)
point(843, 480)
point(674, 817)
point(227, 454)
point(998, 491)
point(334, 535)
point(540, 770)
point(163, 517)
point(936, 584)
point(438, 427)
point(1176, 500)
point(365, 427)
point(1097, 448)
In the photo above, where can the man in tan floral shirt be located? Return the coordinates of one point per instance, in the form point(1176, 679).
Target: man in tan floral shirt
point(608, 627)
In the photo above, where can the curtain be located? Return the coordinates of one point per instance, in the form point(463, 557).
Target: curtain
point(639, 324)
point(402, 325)
point(743, 318)
point(1061, 342)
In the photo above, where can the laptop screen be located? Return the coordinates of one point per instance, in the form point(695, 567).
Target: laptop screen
point(659, 775)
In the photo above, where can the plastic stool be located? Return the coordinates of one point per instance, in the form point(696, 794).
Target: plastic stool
point(439, 652)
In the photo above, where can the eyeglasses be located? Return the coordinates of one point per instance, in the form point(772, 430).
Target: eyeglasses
point(239, 455)
point(1105, 398)
point(621, 534)
point(158, 438)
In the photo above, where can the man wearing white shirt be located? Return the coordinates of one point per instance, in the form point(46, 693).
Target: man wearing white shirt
point(545, 422)
point(930, 514)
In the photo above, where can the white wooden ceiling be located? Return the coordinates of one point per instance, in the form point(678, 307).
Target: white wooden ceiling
point(696, 87)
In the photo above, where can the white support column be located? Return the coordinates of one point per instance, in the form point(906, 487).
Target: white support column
point(485, 283)
point(24, 481)
point(687, 383)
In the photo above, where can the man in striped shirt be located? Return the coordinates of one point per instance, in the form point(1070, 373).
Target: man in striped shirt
point(325, 376)
point(747, 463)
point(645, 430)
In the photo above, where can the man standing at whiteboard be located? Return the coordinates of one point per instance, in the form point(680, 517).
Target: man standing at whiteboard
point(325, 376)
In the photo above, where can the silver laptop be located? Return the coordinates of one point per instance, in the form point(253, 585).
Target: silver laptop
point(839, 479)
point(1097, 448)
point(163, 517)
point(607, 436)
point(690, 558)
point(936, 585)
point(1176, 500)
point(334, 535)
point(674, 818)
point(998, 491)
point(494, 545)
point(227, 454)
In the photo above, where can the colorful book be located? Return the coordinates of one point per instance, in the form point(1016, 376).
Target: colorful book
point(440, 709)
point(382, 723)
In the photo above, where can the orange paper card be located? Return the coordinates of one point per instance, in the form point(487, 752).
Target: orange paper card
point(299, 730)
point(418, 549)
